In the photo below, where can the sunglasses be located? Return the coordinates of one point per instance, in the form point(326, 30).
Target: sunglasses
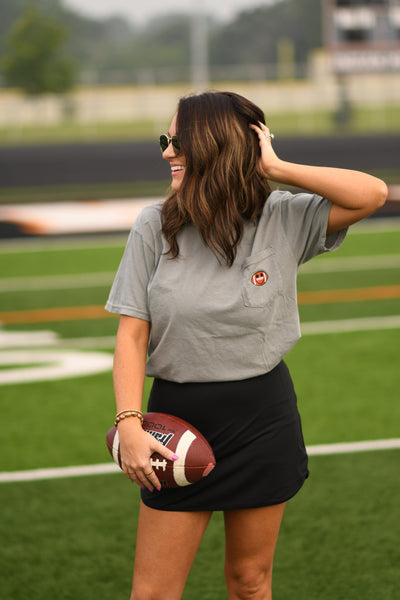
point(165, 141)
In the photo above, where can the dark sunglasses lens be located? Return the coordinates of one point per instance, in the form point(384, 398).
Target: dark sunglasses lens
point(163, 142)
point(176, 143)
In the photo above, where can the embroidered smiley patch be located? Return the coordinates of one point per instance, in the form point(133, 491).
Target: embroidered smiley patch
point(259, 278)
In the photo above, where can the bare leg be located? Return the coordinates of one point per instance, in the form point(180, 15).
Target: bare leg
point(166, 545)
point(251, 537)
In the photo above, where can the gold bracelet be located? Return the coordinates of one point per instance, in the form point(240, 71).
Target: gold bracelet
point(128, 410)
point(124, 414)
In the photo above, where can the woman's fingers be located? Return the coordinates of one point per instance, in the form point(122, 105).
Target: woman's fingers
point(264, 134)
point(152, 480)
point(137, 462)
point(130, 475)
point(268, 159)
point(149, 479)
point(145, 477)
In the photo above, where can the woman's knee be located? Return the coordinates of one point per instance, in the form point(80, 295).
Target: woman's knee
point(147, 591)
point(248, 582)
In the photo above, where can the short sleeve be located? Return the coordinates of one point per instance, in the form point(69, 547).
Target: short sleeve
point(128, 295)
point(305, 220)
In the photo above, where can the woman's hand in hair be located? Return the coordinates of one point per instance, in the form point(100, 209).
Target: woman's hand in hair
point(269, 161)
point(354, 195)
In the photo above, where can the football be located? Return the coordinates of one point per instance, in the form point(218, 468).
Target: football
point(196, 458)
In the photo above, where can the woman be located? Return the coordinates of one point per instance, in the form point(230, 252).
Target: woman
point(207, 288)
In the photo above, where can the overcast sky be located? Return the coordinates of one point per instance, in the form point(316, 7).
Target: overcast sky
point(139, 11)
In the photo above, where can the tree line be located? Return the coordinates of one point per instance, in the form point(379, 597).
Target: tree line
point(75, 44)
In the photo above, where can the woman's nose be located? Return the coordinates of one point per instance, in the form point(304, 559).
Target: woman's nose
point(169, 152)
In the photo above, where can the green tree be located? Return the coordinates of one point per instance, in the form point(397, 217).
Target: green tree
point(255, 35)
point(34, 59)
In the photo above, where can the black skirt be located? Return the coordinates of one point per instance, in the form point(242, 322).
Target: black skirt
point(254, 429)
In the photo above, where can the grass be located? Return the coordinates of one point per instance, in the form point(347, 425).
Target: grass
point(62, 260)
point(63, 423)
point(74, 329)
point(74, 525)
point(337, 539)
point(371, 277)
point(381, 119)
point(71, 131)
point(338, 406)
point(55, 431)
point(74, 538)
point(376, 243)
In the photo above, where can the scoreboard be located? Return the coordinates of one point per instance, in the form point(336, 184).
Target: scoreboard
point(362, 36)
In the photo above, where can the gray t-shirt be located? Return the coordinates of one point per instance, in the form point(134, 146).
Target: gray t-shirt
point(210, 322)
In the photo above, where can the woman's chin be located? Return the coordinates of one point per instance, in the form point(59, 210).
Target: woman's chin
point(175, 184)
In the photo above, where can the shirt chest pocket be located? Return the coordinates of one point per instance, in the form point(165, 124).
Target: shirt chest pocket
point(262, 281)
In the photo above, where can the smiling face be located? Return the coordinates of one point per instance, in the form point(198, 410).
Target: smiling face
point(176, 161)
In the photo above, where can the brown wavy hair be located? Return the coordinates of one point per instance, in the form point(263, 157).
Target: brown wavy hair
point(222, 185)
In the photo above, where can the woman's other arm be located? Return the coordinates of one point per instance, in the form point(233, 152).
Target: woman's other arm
point(354, 195)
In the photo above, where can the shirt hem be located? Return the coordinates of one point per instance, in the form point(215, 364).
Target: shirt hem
point(130, 312)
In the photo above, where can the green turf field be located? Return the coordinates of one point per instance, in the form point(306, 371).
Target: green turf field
point(73, 537)
point(381, 118)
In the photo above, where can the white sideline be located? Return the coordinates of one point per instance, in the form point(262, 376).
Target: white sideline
point(49, 339)
point(106, 468)
point(104, 279)
point(351, 263)
point(58, 473)
point(58, 282)
point(348, 325)
point(307, 328)
point(349, 447)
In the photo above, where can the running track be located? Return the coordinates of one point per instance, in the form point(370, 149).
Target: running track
point(125, 162)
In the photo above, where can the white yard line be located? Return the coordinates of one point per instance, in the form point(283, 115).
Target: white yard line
point(88, 280)
point(345, 325)
point(106, 468)
point(98, 242)
point(47, 339)
point(349, 447)
point(307, 328)
point(60, 473)
point(376, 225)
point(56, 282)
point(355, 263)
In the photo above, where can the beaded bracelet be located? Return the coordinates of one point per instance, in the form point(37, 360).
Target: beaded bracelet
point(124, 414)
point(128, 410)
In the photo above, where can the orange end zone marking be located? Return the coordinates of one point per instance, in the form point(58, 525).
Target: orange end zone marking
point(349, 295)
point(45, 315)
point(75, 313)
